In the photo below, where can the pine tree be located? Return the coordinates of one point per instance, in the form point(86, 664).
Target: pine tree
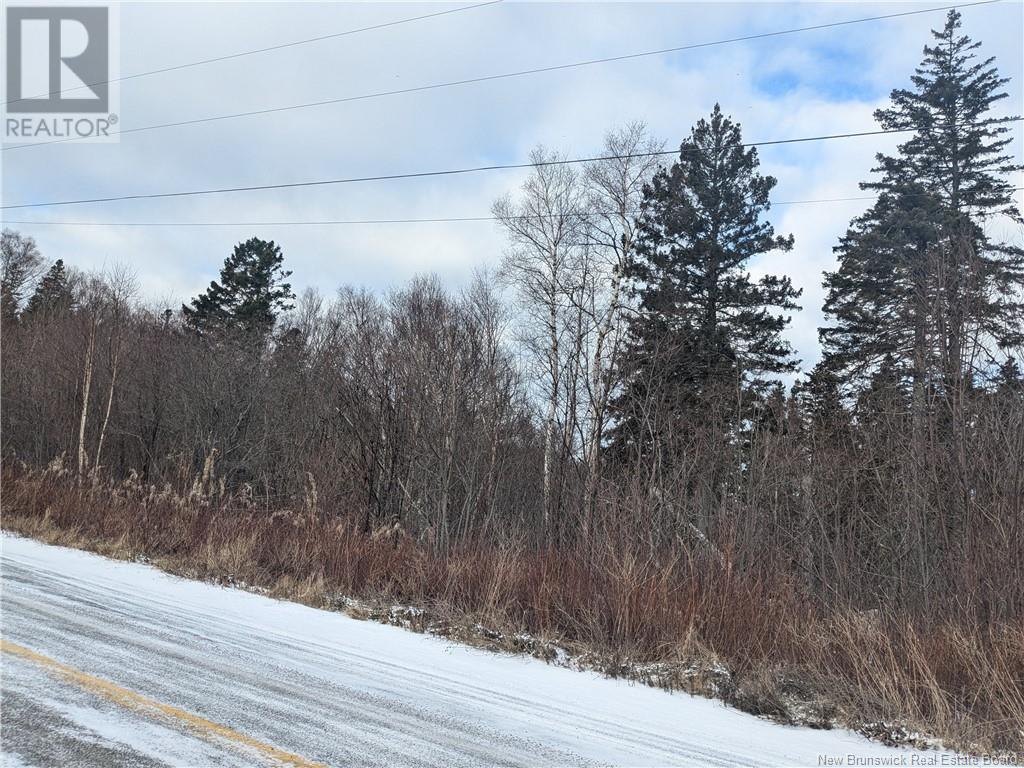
point(53, 294)
point(919, 282)
point(703, 324)
point(250, 295)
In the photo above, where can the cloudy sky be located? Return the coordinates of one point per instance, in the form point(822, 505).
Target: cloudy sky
point(811, 83)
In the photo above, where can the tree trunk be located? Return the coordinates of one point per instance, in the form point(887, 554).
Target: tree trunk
point(110, 401)
point(86, 387)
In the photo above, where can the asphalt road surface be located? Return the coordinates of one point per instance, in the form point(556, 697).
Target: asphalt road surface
point(108, 663)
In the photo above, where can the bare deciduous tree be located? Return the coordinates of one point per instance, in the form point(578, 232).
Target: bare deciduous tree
point(546, 225)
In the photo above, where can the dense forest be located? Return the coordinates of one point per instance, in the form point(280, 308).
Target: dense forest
point(614, 391)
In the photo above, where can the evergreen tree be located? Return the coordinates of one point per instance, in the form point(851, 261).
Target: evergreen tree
point(704, 324)
point(957, 150)
point(820, 404)
point(882, 407)
point(1009, 379)
point(250, 295)
point(879, 295)
point(53, 294)
point(919, 283)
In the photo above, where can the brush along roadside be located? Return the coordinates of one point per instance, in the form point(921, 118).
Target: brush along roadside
point(684, 623)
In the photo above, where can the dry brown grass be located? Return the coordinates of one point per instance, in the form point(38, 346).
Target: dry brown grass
point(685, 622)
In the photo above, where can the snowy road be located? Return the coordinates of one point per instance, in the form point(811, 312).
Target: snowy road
point(116, 664)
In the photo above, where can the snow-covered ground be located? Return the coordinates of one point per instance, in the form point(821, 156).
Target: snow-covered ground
point(113, 663)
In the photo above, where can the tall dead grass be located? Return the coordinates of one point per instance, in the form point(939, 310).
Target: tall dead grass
point(785, 655)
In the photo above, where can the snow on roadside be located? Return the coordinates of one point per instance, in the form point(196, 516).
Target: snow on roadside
point(584, 698)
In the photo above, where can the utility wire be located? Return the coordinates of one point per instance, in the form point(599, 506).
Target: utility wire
point(438, 220)
point(240, 54)
point(506, 75)
point(449, 171)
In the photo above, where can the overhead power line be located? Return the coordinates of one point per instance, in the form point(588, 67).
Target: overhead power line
point(433, 220)
point(445, 172)
point(507, 75)
point(254, 51)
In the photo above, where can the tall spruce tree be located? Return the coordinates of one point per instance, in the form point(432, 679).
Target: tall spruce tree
point(820, 403)
point(879, 294)
point(53, 294)
point(250, 295)
point(920, 284)
point(1009, 381)
point(704, 325)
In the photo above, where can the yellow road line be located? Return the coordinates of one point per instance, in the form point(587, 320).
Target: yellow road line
point(132, 700)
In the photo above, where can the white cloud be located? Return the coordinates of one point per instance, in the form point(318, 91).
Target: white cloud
point(836, 78)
